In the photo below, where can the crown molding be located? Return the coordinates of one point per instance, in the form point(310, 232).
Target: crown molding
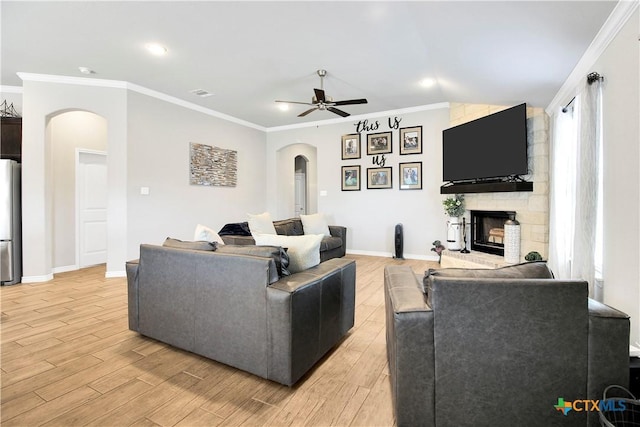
point(10, 89)
point(612, 26)
point(377, 114)
point(117, 84)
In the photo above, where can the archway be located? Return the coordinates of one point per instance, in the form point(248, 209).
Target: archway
point(74, 140)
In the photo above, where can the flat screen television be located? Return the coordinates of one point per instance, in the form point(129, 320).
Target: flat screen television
point(494, 146)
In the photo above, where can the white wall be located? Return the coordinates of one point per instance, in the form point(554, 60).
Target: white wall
point(619, 64)
point(67, 132)
point(369, 215)
point(41, 102)
point(159, 134)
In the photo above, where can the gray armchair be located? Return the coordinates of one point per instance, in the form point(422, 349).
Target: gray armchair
point(498, 347)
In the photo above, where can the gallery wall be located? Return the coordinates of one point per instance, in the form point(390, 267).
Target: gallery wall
point(370, 214)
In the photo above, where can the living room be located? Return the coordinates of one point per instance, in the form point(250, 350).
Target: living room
point(148, 140)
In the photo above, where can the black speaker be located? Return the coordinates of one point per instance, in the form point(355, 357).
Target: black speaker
point(399, 241)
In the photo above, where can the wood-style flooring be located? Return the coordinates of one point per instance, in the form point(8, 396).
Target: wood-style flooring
point(69, 359)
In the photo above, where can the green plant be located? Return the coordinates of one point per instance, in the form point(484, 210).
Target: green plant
point(533, 256)
point(454, 206)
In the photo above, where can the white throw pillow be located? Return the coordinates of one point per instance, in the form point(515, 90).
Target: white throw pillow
point(261, 224)
point(303, 251)
point(315, 224)
point(204, 233)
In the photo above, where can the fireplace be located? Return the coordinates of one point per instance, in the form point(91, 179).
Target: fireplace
point(487, 230)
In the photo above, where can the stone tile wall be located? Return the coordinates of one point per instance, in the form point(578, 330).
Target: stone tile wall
point(532, 208)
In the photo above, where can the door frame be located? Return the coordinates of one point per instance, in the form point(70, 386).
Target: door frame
point(79, 152)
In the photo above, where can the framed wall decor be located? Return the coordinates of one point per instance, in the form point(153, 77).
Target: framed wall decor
point(350, 178)
point(411, 176)
point(379, 143)
point(379, 178)
point(351, 146)
point(411, 140)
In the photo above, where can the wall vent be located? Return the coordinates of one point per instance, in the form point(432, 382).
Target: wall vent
point(201, 93)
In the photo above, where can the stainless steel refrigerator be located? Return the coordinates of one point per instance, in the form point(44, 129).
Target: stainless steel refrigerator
point(10, 223)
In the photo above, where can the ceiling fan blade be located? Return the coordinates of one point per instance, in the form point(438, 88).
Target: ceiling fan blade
point(307, 112)
point(338, 112)
point(351, 102)
point(319, 95)
point(296, 102)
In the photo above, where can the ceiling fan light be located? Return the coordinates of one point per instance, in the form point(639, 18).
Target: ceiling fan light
point(283, 106)
point(156, 49)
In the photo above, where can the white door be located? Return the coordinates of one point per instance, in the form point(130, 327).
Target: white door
point(92, 209)
point(301, 194)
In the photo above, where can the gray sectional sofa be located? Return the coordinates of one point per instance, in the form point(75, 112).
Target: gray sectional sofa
point(498, 347)
point(236, 309)
point(330, 247)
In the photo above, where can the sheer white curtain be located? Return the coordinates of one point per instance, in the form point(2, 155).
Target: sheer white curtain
point(575, 226)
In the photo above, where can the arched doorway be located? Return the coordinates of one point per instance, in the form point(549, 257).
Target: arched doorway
point(300, 201)
point(77, 143)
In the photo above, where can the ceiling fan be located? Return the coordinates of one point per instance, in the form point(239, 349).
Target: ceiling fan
point(321, 102)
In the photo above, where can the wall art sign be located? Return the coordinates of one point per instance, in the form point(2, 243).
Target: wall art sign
point(212, 166)
point(379, 178)
point(411, 140)
point(379, 143)
point(351, 146)
point(350, 178)
point(411, 176)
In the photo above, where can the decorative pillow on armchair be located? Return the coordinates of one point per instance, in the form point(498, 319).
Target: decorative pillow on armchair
point(304, 251)
point(277, 253)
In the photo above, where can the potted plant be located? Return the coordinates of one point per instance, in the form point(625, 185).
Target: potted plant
point(454, 207)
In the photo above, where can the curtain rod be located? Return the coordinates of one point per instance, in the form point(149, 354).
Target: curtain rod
point(591, 79)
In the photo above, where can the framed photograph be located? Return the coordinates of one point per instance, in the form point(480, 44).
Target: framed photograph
point(411, 176)
point(379, 143)
point(350, 178)
point(379, 178)
point(411, 140)
point(351, 146)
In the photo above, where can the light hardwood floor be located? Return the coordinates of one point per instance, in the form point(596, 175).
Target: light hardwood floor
point(69, 359)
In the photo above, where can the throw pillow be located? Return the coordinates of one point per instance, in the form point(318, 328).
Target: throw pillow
point(261, 224)
point(315, 224)
point(526, 270)
point(277, 253)
point(194, 246)
point(235, 229)
point(304, 251)
point(204, 233)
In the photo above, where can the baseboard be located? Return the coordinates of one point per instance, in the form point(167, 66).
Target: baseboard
point(37, 279)
point(390, 255)
point(114, 274)
point(64, 269)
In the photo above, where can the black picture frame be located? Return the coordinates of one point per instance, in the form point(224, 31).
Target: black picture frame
point(379, 178)
point(410, 176)
point(411, 140)
point(379, 143)
point(351, 146)
point(350, 177)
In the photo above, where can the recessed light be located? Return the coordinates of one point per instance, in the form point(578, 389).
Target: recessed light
point(427, 82)
point(156, 49)
point(86, 70)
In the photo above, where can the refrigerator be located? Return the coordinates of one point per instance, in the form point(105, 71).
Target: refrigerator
point(10, 223)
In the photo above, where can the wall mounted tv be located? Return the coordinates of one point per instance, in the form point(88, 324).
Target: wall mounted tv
point(489, 149)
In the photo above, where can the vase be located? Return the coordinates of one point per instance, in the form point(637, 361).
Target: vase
point(454, 227)
point(512, 241)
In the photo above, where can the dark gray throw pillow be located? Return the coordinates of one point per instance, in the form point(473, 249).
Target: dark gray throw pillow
point(278, 254)
point(195, 246)
point(526, 270)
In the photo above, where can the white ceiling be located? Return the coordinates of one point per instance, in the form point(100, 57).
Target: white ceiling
point(251, 53)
